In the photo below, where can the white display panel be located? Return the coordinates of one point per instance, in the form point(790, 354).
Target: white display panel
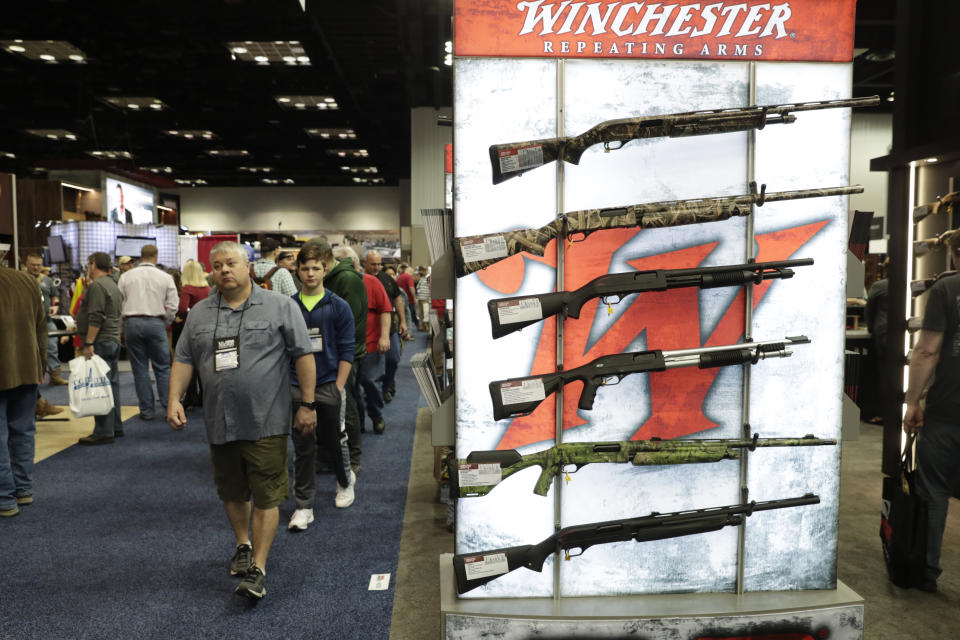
point(501, 101)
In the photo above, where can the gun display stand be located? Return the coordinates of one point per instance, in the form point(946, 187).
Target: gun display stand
point(799, 613)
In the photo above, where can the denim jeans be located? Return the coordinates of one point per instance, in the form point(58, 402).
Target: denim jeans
point(53, 348)
point(938, 460)
point(17, 430)
point(370, 370)
point(106, 425)
point(392, 361)
point(146, 340)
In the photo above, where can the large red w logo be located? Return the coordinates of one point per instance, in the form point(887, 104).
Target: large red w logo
point(671, 320)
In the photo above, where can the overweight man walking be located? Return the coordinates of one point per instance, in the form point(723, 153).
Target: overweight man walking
point(242, 341)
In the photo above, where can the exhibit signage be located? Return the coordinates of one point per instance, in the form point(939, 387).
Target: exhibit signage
point(818, 30)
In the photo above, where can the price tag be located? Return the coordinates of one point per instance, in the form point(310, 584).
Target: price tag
point(480, 475)
point(521, 159)
point(492, 564)
point(521, 391)
point(476, 249)
point(513, 311)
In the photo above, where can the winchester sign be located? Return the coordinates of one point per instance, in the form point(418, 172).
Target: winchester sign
point(797, 30)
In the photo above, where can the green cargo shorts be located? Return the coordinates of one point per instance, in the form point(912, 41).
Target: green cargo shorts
point(257, 468)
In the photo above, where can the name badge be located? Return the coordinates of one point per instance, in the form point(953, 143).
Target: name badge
point(226, 354)
point(316, 339)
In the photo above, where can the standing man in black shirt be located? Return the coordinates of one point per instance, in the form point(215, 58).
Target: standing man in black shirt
point(938, 424)
point(372, 264)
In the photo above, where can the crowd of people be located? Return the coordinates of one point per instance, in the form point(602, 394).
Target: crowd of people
point(305, 345)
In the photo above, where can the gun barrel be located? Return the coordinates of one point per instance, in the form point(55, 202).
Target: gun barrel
point(681, 353)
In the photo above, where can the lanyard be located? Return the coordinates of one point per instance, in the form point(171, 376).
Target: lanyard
point(227, 350)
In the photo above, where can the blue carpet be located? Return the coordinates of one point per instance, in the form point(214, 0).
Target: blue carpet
point(129, 540)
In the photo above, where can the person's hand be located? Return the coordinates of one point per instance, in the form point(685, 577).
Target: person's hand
point(383, 345)
point(54, 309)
point(176, 416)
point(404, 331)
point(913, 418)
point(64, 339)
point(87, 351)
point(305, 421)
point(340, 387)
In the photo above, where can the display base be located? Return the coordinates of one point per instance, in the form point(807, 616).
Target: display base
point(792, 615)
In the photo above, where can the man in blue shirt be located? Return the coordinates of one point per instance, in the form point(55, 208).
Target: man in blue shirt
point(242, 342)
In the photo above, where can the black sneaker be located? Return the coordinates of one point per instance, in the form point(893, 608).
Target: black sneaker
point(242, 560)
point(253, 585)
point(387, 395)
point(379, 425)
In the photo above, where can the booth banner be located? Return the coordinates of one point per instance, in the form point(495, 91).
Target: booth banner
point(809, 30)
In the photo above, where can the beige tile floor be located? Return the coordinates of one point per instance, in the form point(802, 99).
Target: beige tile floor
point(53, 436)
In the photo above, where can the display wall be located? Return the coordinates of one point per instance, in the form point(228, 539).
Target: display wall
point(500, 99)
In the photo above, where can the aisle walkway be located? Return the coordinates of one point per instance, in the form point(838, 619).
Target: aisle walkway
point(129, 540)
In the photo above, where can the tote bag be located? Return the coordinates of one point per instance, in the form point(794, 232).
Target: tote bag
point(903, 522)
point(90, 392)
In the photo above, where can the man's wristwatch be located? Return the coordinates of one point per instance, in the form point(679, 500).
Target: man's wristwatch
point(309, 405)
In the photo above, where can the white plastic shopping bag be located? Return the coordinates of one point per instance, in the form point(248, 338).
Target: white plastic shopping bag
point(90, 392)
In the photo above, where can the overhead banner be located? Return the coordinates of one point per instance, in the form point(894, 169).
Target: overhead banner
point(813, 31)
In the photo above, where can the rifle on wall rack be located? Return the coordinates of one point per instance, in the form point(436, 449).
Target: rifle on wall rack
point(520, 396)
point(481, 471)
point(513, 314)
point(472, 253)
point(515, 158)
point(478, 568)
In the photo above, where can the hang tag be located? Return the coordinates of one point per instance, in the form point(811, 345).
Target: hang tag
point(491, 564)
point(316, 339)
point(472, 474)
point(521, 158)
point(523, 310)
point(226, 355)
point(522, 391)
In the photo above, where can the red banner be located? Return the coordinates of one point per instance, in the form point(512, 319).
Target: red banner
point(799, 30)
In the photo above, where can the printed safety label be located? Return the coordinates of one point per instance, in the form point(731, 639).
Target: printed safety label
point(480, 475)
point(513, 311)
point(492, 564)
point(476, 249)
point(521, 391)
point(520, 159)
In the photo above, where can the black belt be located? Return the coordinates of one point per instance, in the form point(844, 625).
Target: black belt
point(143, 316)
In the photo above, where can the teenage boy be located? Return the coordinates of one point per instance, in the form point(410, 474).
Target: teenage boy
point(330, 325)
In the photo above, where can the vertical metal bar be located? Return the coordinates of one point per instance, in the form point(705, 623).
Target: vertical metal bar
point(16, 227)
point(747, 332)
point(561, 245)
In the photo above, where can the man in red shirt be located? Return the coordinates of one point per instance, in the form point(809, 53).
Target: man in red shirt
point(409, 287)
point(378, 343)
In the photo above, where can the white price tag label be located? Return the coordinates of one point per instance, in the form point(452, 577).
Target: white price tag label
point(521, 391)
point(521, 159)
point(476, 249)
point(379, 582)
point(492, 564)
point(480, 475)
point(513, 311)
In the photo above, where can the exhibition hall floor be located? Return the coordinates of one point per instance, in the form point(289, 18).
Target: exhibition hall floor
point(122, 552)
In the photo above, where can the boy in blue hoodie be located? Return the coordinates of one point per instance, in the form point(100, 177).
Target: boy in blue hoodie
point(331, 328)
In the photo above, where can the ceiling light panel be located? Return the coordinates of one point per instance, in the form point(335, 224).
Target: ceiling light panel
point(228, 153)
point(53, 134)
point(307, 103)
point(359, 180)
point(8, 155)
point(190, 182)
point(348, 153)
point(111, 155)
point(191, 134)
point(48, 51)
point(256, 169)
point(136, 103)
point(157, 170)
point(284, 52)
point(365, 170)
point(332, 134)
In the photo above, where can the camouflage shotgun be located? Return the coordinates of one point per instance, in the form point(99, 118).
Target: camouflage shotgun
point(948, 202)
point(520, 396)
point(512, 314)
point(515, 158)
point(473, 253)
point(481, 471)
point(480, 567)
